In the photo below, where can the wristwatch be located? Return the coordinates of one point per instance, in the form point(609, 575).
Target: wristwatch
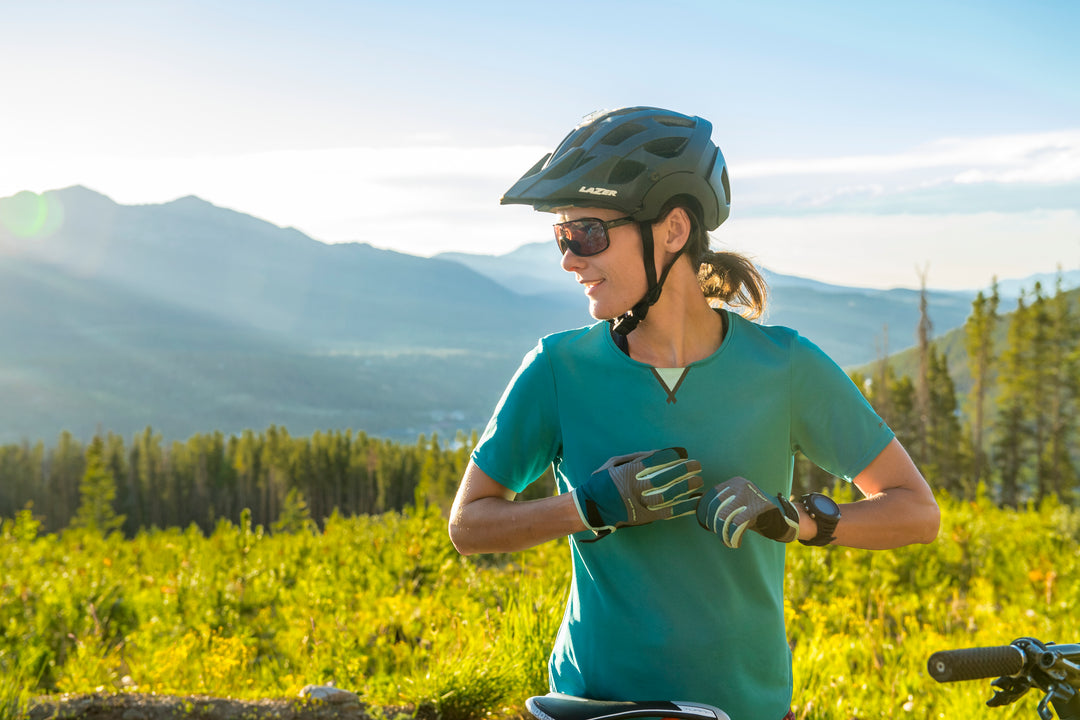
point(826, 513)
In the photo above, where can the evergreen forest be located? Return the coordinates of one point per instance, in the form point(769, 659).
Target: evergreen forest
point(1015, 430)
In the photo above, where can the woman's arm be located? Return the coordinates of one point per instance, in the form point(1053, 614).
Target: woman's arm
point(485, 517)
point(898, 508)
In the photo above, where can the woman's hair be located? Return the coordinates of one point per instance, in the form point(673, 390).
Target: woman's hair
point(727, 277)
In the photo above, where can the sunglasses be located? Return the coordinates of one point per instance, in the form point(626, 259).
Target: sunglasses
point(587, 236)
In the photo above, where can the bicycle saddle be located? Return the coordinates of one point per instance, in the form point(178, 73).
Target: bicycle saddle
point(556, 706)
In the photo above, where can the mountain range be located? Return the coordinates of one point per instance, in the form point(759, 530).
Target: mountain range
point(187, 318)
point(854, 325)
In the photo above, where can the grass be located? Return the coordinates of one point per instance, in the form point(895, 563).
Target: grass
point(384, 607)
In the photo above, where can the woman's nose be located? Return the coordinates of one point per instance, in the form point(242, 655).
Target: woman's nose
point(571, 262)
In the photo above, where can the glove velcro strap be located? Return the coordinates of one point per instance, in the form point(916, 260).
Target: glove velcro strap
point(590, 515)
point(783, 527)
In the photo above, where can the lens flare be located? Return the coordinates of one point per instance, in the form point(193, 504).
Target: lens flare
point(29, 215)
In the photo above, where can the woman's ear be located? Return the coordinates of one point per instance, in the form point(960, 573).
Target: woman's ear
point(673, 231)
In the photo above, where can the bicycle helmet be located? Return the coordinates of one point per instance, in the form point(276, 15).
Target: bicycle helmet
point(633, 160)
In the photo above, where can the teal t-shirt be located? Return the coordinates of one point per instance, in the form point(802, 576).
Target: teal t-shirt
point(666, 611)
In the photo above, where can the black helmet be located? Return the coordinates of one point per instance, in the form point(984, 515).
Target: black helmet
point(633, 160)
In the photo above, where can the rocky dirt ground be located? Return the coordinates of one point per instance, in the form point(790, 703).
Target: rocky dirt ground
point(131, 706)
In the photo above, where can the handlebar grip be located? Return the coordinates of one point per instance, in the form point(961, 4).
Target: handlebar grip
point(975, 663)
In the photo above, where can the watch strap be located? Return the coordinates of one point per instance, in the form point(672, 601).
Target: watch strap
point(826, 524)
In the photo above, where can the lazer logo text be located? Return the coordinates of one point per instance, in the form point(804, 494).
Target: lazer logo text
point(599, 191)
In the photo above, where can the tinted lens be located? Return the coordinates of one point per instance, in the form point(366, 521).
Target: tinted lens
point(583, 237)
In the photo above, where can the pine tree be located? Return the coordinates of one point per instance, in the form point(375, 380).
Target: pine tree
point(1012, 432)
point(922, 383)
point(904, 416)
point(979, 343)
point(295, 515)
point(945, 443)
point(97, 492)
point(65, 465)
point(1040, 390)
point(148, 465)
point(1063, 413)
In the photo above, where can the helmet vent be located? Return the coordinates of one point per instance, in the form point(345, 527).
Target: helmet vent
point(626, 171)
point(667, 147)
point(564, 165)
point(622, 133)
point(672, 121)
point(727, 186)
point(582, 135)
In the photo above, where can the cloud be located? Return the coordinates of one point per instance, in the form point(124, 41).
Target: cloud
point(972, 208)
point(1007, 173)
point(1049, 157)
point(962, 251)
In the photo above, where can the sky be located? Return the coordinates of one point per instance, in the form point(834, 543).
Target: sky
point(867, 143)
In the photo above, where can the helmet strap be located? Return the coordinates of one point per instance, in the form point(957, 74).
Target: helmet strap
point(625, 324)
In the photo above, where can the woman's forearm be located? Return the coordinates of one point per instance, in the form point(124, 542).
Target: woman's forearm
point(485, 517)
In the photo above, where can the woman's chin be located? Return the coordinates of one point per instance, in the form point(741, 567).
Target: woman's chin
point(598, 312)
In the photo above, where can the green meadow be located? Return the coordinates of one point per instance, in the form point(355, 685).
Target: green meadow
point(383, 605)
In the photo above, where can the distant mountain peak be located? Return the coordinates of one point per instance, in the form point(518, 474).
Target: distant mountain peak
point(79, 189)
point(80, 192)
point(193, 200)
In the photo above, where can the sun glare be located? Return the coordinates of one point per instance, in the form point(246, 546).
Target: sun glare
point(29, 215)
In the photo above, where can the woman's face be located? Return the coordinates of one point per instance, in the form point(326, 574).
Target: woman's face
point(614, 280)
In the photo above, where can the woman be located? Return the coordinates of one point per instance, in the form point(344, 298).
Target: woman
point(672, 426)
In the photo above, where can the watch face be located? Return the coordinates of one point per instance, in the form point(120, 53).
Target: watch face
point(824, 505)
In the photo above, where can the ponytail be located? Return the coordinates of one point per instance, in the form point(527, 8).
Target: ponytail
point(733, 280)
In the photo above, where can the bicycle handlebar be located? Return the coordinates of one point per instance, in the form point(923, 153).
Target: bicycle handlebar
point(1024, 664)
point(975, 663)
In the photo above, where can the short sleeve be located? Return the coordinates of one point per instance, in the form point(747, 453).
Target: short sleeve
point(831, 422)
point(523, 437)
